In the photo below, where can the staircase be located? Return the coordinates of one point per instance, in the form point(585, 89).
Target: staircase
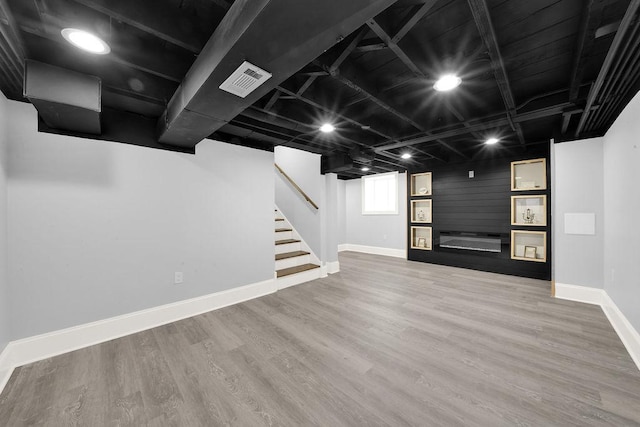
point(294, 263)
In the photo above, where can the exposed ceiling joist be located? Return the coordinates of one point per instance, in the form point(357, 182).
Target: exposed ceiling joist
point(388, 40)
point(11, 51)
point(274, 98)
point(355, 39)
point(477, 125)
point(348, 76)
point(199, 107)
point(288, 123)
point(619, 38)
point(350, 79)
point(481, 15)
point(370, 47)
point(329, 110)
point(412, 19)
point(589, 23)
point(149, 20)
point(111, 58)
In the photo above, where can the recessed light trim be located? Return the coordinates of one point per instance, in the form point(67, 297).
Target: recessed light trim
point(492, 141)
point(447, 82)
point(327, 128)
point(406, 156)
point(86, 41)
point(365, 169)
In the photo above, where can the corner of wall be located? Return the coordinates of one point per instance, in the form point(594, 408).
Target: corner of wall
point(5, 329)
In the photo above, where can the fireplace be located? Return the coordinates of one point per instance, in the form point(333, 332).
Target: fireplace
point(471, 241)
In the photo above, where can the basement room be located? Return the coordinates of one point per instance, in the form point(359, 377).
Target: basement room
point(327, 213)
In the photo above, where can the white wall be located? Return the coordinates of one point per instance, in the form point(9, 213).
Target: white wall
point(383, 231)
point(330, 229)
point(579, 188)
point(5, 335)
point(304, 169)
point(622, 204)
point(97, 229)
point(342, 212)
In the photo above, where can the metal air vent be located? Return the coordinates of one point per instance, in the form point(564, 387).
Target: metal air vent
point(245, 80)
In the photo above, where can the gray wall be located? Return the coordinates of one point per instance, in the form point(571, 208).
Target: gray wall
point(383, 231)
point(330, 218)
point(97, 229)
point(622, 204)
point(579, 188)
point(4, 286)
point(342, 212)
point(304, 169)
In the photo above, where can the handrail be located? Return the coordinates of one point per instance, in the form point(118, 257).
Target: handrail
point(296, 186)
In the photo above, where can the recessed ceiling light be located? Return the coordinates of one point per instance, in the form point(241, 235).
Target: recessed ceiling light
point(364, 169)
point(327, 128)
point(86, 41)
point(491, 141)
point(447, 83)
point(406, 156)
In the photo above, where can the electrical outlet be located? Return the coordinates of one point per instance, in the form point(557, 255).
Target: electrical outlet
point(178, 278)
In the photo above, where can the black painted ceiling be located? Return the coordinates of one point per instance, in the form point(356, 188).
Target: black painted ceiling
point(532, 70)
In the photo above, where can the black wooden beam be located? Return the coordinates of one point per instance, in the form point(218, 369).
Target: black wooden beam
point(274, 98)
point(349, 77)
point(481, 15)
point(371, 47)
point(12, 50)
point(303, 128)
point(589, 23)
point(331, 111)
point(625, 25)
point(353, 43)
point(400, 53)
point(152, 20)
point(477, 125)
point(199, 107)
point(412, 19)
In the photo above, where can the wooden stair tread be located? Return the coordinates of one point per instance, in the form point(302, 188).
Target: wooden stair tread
point(282, 230)
point(293, 254)
point(296, 269)
point(285, 241)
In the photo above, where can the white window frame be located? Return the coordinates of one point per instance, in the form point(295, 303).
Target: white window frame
point(364, 180)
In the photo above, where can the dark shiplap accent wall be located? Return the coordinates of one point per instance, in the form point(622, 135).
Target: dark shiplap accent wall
point(479, 204)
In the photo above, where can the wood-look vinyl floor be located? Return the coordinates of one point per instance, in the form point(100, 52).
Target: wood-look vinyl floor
point(383, 342)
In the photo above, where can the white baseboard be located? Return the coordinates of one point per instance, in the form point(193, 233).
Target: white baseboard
point(580, 293)
point(32, 349)
point(625, 330)
point(373, 250)
point(333, 267)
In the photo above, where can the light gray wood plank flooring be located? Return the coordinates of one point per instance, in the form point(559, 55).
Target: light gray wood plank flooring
point(383, 342)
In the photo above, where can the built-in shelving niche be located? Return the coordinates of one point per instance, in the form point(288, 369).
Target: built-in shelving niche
point(483, 206)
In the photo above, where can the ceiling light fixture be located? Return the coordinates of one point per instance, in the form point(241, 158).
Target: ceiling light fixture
point(327, 128)
point(447, 83)
point(364, 169)
point(86, 41)
point(406, 156)
point(491, 141)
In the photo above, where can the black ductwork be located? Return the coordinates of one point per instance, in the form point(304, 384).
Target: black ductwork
point(65, 100)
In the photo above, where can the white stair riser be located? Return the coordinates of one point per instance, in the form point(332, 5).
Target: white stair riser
point(282, 235)
point(292, 262)
point(289, 247)
point(298, 278)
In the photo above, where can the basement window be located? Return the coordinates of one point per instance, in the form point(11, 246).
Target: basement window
point(380, 194)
